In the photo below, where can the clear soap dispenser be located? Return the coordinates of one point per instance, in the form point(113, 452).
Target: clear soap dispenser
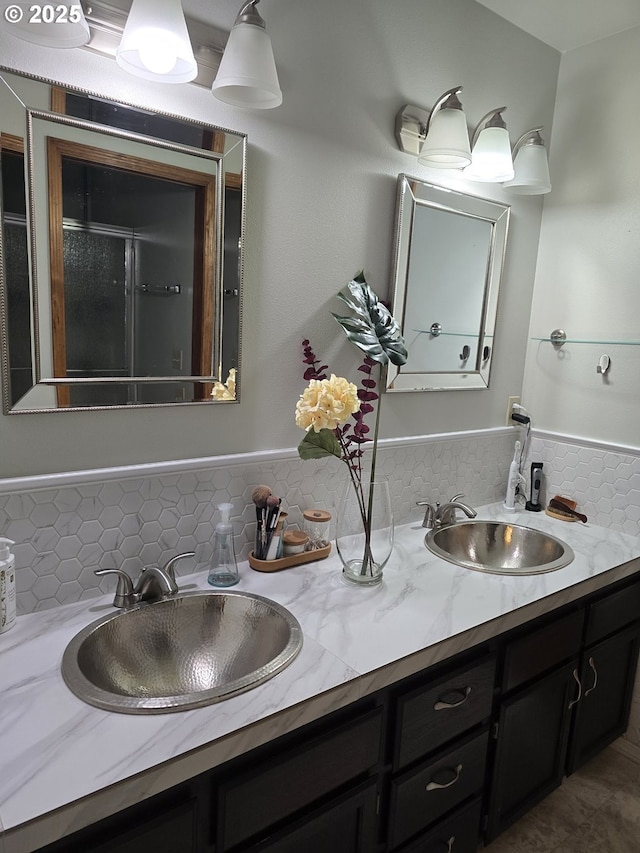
point(224, 569)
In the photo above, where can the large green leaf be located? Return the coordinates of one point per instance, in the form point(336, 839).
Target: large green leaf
point(374, 330)
point(315, 445)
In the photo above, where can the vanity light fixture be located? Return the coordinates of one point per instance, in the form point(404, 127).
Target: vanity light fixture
point(247, 76)
point(440, 138)
point(447, 139)
point(530, 165)
point(48, 25)
point(491, 150)
point(155, 43)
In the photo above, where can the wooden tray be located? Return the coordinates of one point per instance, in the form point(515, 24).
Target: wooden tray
point(288, 562)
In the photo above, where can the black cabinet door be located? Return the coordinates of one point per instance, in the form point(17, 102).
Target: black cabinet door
point(347, 825)
point(531, 746)
point(607, 677)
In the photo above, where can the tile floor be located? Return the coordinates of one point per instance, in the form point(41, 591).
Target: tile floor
point(596, 810)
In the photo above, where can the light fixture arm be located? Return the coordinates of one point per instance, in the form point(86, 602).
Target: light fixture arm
point(531, 137)
point(492, 119)
point(250, 15)
point(449, 99)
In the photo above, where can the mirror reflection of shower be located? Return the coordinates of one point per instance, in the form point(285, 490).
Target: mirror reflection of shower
point(132, 279)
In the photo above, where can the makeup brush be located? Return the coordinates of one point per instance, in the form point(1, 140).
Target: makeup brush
point(273, 514)
point(259, 496)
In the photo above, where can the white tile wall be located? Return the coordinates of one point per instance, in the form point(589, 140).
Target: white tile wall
point(134, 517)
point(127, 518)
point(66, 526)
point(604, 480)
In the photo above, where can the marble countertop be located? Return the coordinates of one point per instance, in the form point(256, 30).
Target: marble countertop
point(65, 764)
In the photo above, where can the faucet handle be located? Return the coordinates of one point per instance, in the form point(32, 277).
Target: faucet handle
point(429, 514)
point(169, 569)
point(125, 595)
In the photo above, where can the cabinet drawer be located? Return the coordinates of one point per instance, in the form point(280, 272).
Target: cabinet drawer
point(613, 612)
point(421, 797)
point(458, 833)
point(346, 825)
point(542, 649)
point(440, 711)
point(278, 787)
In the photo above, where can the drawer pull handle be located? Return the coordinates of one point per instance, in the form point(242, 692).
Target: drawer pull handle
point(579, 696)
point(435, 786)
point(595, 677)
point(450, 842)
point(443, 705)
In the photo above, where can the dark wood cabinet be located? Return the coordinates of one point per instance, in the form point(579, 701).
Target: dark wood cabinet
point(532, 734)
point(440, 739)
point(280, 786)
point(425, 795)
point(607, 678)
point(346, 825)
point(566, 694)
point(442, 708)
point(435, 763)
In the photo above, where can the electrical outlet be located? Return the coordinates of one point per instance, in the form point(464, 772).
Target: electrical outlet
point(511, 402)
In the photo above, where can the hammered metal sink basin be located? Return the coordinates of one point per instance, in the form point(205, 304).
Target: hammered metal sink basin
point(180, 653)
point(499, 548)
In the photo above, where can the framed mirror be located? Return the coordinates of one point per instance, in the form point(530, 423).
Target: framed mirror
point(447, 264)
point(122, 253)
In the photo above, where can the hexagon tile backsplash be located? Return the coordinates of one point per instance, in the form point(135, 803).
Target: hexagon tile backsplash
point(65, 527)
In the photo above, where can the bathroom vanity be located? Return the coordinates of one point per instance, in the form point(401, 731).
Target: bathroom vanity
point(405, 724)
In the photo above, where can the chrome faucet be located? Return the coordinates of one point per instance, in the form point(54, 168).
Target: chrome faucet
point(442, 515)
point(154, 583)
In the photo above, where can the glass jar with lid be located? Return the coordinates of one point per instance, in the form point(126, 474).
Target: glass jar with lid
point(316, 526)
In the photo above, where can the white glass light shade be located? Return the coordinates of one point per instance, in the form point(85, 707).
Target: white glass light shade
point(47, 25)
point(447, 142)
point(155, 43)
point(531, 171)
point(247, 76)
point(491, 157)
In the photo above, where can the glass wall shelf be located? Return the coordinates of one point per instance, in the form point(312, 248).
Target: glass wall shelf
point(561, 341)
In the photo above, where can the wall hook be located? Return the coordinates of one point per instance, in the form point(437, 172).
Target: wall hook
point(604, 364)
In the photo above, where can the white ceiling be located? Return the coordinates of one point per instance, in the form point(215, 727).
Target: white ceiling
point(567, 24)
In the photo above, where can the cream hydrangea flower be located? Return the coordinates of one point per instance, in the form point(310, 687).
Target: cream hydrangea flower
point(326, 403)
point(227, 390)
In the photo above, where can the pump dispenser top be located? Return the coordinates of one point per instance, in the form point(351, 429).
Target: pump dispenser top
point(224, 525)
point(224, 569)
point(5, 549)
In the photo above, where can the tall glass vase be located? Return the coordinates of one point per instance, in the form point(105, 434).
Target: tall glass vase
point(364, 548)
